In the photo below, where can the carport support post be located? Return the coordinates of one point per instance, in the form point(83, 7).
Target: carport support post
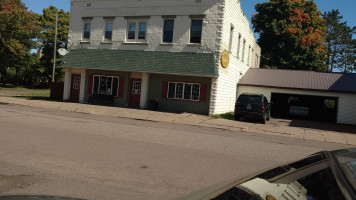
point(144, 90)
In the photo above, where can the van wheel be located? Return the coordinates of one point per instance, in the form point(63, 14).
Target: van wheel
point(269, 116)
point(264, 119)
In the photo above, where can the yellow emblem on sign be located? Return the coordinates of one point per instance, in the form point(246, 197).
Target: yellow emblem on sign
point(270, 197)
point(225, 58)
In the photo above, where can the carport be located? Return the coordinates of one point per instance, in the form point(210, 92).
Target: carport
point(329, 97)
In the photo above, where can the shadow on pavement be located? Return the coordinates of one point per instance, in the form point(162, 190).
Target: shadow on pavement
point(37, 98)
point(320, 125)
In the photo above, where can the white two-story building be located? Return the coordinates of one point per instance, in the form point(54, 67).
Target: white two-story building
point(188, 55)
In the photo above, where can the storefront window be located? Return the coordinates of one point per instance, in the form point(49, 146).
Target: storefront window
point(184, 91)
point(107, 85)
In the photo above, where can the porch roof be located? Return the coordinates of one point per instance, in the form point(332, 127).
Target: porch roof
point(160, 62)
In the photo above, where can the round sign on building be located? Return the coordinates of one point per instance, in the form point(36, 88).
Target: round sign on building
point(225, 59)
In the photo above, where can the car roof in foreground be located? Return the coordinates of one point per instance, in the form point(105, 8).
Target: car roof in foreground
point(343, 161)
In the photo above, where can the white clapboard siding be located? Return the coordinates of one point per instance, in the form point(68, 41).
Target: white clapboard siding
point(226, 85)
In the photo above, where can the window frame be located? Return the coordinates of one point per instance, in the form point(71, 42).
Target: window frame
point(164, 26)
point(134, 84)
point(84, 30)
point(105, 30)
point(243, 51)
point(112, 84)
point(231, 40)
point(137, 30)
point(239, 46)
point(249, 55)
point(183, 91)
point(191, 30)
point(76, 83)
point(257, 60)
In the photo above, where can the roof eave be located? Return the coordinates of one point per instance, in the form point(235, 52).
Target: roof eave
point(290, 88)
point(177, 74)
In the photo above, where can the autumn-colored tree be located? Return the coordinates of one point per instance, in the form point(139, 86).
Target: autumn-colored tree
point(340, 43)
point(18, 29)
point(47, 21)
point(292, 35)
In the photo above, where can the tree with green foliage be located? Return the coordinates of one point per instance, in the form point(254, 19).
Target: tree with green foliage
point(47, 21)
point(31, 74)
point(18, 29)
point(292, 35)
point(348, 57)
point(340, 43)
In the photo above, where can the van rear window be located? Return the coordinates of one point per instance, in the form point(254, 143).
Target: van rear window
point(250, 99)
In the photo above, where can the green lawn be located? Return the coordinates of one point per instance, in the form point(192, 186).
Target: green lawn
point(39, 96)
point(21, 88)
point(27, 93)
point(229, 115)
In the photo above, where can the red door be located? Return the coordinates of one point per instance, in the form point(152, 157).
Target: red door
point(135, 92)
point(75, 88)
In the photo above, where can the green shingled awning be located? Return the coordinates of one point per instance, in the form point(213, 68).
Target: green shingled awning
point(160, 62)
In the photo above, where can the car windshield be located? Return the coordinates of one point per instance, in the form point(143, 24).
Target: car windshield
point(297, 103)
point(247, 99)
point(347, 162)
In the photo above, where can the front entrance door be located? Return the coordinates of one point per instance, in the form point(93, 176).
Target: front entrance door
point(135, 92)
point(75, 88)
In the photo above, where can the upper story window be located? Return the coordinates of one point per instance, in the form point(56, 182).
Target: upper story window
point(249, 55)
point(231, 38)
point(257, 61)
point(243, 50)
point(252, 57)
point(168, 29)
point(108, 30)
point(196, 31)
point(136, 30)
point(87, 27)
point(239, 46)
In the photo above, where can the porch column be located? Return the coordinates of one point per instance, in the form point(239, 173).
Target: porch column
point(67, 80)
point(82, 86)
point(212, 106)
point(144, 90)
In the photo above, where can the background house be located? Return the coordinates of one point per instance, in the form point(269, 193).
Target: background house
point(188, 54)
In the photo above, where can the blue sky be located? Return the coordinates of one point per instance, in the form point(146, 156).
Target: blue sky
point(346, 7)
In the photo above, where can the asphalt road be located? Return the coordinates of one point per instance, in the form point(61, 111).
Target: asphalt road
point(97, 157)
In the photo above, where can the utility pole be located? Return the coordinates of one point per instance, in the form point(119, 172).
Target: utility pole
point(55, 50)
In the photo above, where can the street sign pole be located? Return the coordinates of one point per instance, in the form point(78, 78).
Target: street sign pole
point(55, 50)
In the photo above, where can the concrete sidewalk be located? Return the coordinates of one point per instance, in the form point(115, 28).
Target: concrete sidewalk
point(193, 120)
